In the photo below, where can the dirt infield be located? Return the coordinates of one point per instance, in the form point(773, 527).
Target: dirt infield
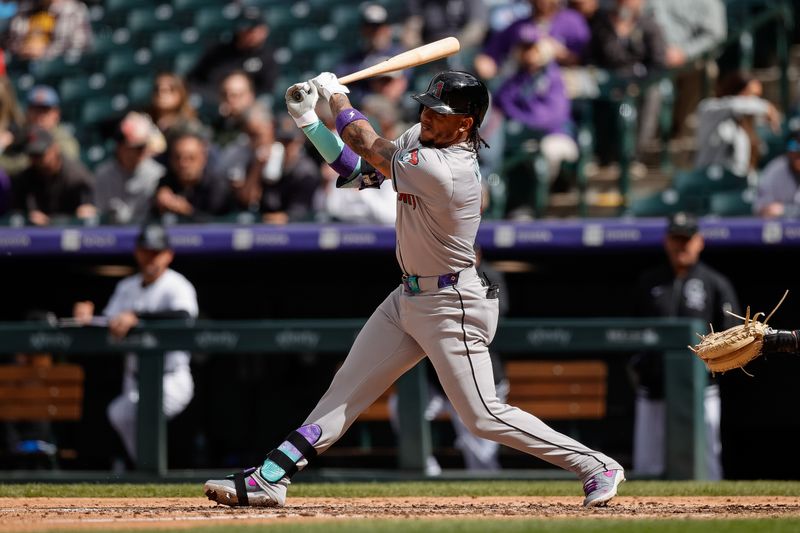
point(37, 514)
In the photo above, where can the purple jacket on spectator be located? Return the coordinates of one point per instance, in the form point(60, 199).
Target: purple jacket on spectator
point(567, 27)
point(537, 100)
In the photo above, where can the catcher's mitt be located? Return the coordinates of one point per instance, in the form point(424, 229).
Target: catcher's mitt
point(737, 346)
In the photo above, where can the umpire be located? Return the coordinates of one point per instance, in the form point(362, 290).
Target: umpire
point(683, 287)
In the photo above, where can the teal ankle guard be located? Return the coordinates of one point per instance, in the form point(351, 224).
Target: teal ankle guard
point(293, 453)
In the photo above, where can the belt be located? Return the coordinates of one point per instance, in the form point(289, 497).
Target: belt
point(418, 284)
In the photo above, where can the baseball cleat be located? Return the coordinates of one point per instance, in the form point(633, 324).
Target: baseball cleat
point(600, 488)
point(247, 488)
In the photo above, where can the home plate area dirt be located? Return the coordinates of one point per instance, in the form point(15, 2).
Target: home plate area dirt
point(38, 514)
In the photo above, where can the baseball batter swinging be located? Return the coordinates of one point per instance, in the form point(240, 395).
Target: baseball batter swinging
point(442, 308)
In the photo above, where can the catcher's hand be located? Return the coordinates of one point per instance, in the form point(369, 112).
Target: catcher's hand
point(737, 346)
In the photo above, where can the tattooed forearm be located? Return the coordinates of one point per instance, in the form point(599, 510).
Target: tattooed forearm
point(362, 138)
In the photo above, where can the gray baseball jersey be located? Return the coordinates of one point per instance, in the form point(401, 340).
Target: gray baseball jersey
point(439, 205)
point(450, 319)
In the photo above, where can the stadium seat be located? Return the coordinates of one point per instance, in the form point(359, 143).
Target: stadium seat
point(660, 204)
point(148, 20)
point(73, 90)
point(328, 60)
point(128, 63)
point(264, 4)
point(707, 180)
point(116, 11)
point(140, 90)
point(305, 42)
point(346, 19)
point(185, 61)
point(102, 109)
point(214, 21)
point(107, 42)
point(732, 203)
point(172, 42)
point(193, 5)
point(53, 70)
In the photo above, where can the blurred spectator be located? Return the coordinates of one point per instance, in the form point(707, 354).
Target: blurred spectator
point(691, 28)
point(431, 20)
point(683, 287)
point(170, 108)
point(12, 126)
point(587, 8)
point(726, 129)
point(53, 185)
point(44, 29)
point(156, 292)
point(535, 97)
point(779, 184)
point(236, 95)
point(44, 111)
point(127, 181)
point(288, 193)
point(377, 44)
point(629, 43)
point(270, 172)
point(252, 157)
point(565, 36)
point(249, 52)
point(190, 187)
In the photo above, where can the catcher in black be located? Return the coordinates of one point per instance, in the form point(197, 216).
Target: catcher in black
point(682, 287)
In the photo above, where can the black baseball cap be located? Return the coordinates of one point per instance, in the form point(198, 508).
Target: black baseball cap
point(682, 224)
point(153, 237)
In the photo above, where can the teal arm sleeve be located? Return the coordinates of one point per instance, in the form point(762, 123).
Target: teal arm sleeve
point(341, 158)
point(328, 143)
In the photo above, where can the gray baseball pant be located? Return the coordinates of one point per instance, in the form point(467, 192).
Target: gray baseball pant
point(453, 326)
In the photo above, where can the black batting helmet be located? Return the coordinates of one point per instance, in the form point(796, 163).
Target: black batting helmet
point(456, 93)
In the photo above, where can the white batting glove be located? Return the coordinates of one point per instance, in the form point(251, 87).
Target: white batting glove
point(328, 84)
point(301, 98)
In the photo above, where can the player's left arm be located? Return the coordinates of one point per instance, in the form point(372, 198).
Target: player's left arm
point(354, 172)
point(360, 136)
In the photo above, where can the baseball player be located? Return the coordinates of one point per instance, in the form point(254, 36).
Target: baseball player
point(155, 292)
point(442, 308)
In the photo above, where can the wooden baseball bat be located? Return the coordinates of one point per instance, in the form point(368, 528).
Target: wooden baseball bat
point(410, 58)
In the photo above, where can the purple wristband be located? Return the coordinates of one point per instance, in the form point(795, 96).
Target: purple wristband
point(346, 116)
point(346, 163)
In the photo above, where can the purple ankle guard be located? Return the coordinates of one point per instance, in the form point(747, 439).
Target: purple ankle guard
point(346, 116)
point(298, 446)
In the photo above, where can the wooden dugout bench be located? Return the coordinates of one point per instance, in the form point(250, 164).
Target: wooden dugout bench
point(550, 390)
point(30, 392)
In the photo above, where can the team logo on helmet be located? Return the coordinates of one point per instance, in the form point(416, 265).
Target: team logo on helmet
point(437, 90)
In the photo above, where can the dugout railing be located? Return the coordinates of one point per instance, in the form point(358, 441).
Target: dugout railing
point(685, 374)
